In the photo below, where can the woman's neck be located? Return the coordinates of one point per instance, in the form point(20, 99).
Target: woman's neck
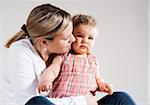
point(43, 54)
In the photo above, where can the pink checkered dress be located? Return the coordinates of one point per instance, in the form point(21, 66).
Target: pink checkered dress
point(77, 77)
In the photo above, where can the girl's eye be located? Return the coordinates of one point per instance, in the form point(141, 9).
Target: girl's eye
point(91, 38)
point(79, 36)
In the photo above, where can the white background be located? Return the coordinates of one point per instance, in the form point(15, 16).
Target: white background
point(121, 47)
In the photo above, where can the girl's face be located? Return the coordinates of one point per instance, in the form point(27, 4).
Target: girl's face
point(62, 43)
point(84, 35)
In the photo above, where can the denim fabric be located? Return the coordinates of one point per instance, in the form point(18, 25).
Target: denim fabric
point(117, 98)
point(39, 100)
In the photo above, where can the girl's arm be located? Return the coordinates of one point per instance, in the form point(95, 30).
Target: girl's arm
point(98, 77)
point(103, 86)
point(50, 74)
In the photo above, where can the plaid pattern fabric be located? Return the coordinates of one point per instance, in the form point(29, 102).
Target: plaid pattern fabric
point(77, 77)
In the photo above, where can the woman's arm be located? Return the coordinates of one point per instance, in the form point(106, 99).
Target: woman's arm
point(21, 76)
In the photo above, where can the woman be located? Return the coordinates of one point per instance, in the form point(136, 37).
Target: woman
point(48, 30)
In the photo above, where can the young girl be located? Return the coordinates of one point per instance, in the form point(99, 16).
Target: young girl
point(79, 73)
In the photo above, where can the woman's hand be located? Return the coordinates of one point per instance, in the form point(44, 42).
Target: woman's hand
point(105, 87)
point(91, 100)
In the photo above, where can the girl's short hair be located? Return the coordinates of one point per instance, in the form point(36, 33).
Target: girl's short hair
point(83, 19)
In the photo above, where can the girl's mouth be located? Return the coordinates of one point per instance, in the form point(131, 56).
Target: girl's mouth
point(84, 46)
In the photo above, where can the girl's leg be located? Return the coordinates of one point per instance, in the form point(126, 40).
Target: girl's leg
point(117, 98)
point(39, 100)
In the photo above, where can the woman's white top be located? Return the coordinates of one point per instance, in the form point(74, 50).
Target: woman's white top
point(24, 67)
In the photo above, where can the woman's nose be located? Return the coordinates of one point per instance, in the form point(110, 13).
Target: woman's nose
point(72, 38)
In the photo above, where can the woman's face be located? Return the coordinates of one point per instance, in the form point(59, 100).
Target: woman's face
point(62, 43)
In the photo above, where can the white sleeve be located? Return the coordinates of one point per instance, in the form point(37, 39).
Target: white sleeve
point(73, 100)
point(21, 73)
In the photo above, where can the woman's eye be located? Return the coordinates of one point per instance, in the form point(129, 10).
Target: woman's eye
point(66, 38)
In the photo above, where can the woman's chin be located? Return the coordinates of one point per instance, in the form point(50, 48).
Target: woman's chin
point(64, 51)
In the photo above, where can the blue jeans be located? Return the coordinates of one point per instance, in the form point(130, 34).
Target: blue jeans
point(39, 100)
point(117, 98)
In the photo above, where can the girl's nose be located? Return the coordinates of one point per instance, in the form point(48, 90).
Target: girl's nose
point(85, 40)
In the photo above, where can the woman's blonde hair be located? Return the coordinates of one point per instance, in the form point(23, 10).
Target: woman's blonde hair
point(44, 20)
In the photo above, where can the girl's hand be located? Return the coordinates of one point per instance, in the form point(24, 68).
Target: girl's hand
point(44, 85)
point(105, 87)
